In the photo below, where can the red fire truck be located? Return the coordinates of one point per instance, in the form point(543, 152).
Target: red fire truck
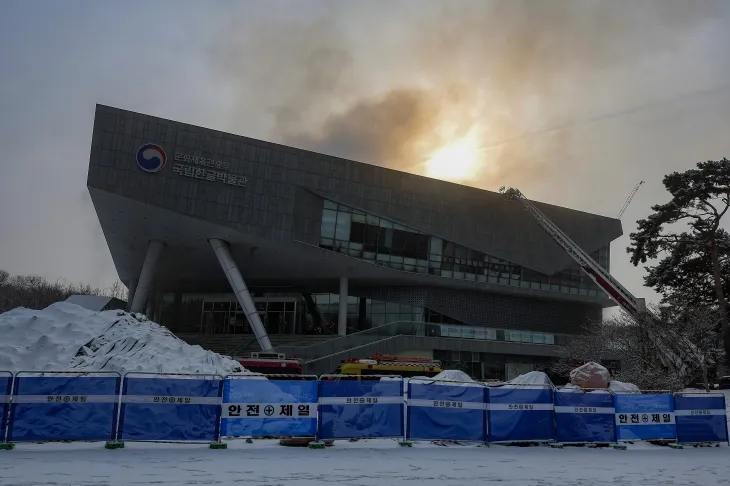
point(270, 363)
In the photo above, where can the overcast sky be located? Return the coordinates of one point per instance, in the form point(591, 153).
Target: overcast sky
point(576, 100)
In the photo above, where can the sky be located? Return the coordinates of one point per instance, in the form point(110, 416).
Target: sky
point(572, 101)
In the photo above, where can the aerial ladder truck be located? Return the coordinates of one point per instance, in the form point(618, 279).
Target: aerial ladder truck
point(685, 361)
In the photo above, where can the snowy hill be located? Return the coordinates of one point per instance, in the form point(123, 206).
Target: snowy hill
point(65, 336)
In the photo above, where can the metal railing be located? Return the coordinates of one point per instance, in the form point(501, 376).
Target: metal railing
point(396, 328)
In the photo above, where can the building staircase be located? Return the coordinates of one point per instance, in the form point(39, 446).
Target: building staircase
point(323, 354)
point(239, 344)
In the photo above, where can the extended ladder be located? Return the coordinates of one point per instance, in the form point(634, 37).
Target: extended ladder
point(617, 292)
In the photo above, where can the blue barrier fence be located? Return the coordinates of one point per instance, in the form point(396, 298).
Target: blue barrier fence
point(6, 382)
point(446, 411)
point(170, 407)
point(278, 407)
point(700, 418)
point(355, 409)
point(584, 417)
point(521, 413)
point(66, 406)
point(645, 417)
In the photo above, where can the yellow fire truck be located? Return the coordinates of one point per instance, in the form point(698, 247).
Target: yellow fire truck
point(386, 364)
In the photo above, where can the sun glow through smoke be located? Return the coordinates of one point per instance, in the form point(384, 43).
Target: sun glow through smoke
point(458, 160)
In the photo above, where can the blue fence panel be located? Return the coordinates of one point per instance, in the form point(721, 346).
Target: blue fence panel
point(61, 406)
point(520, 414)
point(269, 407)
point(183, 408)
point(6, 380)
point(700, 418)
point(583, 417)
point(644, 417)
point(350, 409)
point(442, 411)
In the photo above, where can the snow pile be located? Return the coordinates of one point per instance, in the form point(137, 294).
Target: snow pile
point(447, 377)
point(621, 387)
point(531, 378)
point(453, 375)
point(65, 336)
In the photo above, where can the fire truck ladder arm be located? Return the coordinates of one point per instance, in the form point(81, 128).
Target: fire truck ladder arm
point(603, 279)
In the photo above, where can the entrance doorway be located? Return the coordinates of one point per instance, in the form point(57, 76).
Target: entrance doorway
point(278, 315)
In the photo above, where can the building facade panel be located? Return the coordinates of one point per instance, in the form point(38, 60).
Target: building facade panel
point(479, 219)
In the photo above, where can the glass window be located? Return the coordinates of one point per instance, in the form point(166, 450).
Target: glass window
point(409, 264)
point(378, 307)
point(368, 236)
point(342, 228)
point(460, 251)
point(448, 249)
point(329, 218)
point(435, 245)
point(512, 336)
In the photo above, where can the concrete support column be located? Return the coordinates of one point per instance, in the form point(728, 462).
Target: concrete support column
point(150, 311)
point(147, 276)
point(130, 292)
point(157, 309)
point(342, 310)
point(225, 259)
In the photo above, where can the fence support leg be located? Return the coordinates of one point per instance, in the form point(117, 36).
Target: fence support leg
point(7, 446)
point(218, 445)
point(619, 447)
point(405, 443)
point(675, 445)
point(556, 445)
point(113, 444)
point(317, 443)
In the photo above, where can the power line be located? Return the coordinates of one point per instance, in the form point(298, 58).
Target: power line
point(616, 114)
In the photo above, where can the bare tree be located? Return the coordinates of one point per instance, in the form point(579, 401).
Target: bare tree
point(116, 290)
point(590, 345)
point(35, 292)
point(642, 355)
point(700, 326)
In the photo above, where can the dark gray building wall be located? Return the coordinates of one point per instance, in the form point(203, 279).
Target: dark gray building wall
point(279, 177)
point(307, 216)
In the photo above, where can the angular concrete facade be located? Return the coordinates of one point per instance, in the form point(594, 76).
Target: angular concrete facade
point(267, 201)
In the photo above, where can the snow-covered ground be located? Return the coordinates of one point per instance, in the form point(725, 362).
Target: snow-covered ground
point(364, 463)
point(65, 336)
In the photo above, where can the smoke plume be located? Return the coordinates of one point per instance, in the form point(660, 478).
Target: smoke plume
point(389, 82)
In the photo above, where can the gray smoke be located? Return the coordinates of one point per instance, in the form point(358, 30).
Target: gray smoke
point(372, 81)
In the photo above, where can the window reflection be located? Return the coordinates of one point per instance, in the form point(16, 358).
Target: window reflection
point(364, 313)
point(384, 242)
